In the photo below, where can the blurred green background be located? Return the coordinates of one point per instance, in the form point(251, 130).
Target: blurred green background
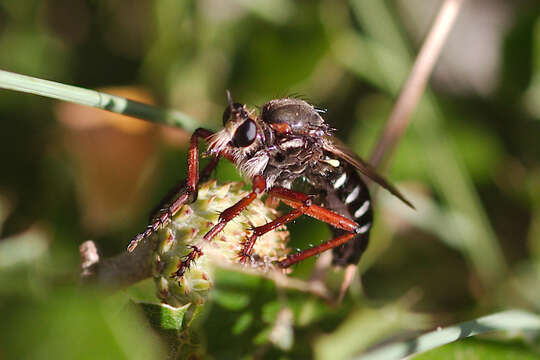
point(470, 161)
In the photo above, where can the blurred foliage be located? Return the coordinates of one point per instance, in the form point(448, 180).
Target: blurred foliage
point(481, 349)
point(470, 162)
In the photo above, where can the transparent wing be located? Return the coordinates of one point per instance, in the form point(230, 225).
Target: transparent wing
point(336, 147)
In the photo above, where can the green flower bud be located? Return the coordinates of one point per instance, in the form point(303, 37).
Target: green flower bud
point(183, 262)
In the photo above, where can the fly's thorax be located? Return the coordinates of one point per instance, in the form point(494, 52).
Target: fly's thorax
point(293, 116)
point(292, 157)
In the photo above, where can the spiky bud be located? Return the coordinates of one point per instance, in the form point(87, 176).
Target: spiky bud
point(184, 262)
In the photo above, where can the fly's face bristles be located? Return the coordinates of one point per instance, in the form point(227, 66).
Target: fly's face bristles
point(226, 141)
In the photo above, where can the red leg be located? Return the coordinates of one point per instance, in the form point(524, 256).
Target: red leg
point(193, 161)
point(182, 193)
point(168, 200)
point(187, 261)
point(297, 200)
point(259, 185)
point(302, 205)
point(271, 202)
point(263, 229)
point(294, 258)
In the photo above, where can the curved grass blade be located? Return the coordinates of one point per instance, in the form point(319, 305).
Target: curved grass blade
point(511, 320)
point(100, 100)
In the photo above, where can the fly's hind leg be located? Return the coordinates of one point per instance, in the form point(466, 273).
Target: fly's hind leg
point(297, 200)
point(259, 231)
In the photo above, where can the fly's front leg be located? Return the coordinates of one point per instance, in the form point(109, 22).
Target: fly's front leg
point(271, 202)
point(259, 186)
point(184, 192)
point(193, 162)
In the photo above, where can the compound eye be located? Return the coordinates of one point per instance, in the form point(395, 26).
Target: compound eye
point(245, 134)
point(227, 112)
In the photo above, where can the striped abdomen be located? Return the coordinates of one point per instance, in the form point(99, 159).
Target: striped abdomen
point(348, 195)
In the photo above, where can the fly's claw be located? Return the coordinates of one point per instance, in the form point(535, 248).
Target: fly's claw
point(246, 253)
point(135, 241)
point(243, 257)
point(187, 261)
point(163, 218)
point(182, 267)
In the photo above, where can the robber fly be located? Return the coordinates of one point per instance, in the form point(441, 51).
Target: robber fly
point(286, 148)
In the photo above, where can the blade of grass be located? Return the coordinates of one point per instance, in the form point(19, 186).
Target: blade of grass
point(511, 320)
point(100, 100)
point(416, 82)
point(367, 326)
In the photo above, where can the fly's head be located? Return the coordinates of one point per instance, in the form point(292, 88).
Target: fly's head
point(241, 135)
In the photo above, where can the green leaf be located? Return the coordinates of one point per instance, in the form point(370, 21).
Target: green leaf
point(242, 323)
point(236, 279)
point(270, 311)
point(71, 323)
point(365, 327)
point(173, 324)
point(22, 249)
point(476, 349)
point(262, 337)
point(512, 320)
point(166, 317)
point(229, 299)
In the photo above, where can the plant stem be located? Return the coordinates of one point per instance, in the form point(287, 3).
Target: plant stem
point(100, 100)
point(118, 271)
point(415, 85)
